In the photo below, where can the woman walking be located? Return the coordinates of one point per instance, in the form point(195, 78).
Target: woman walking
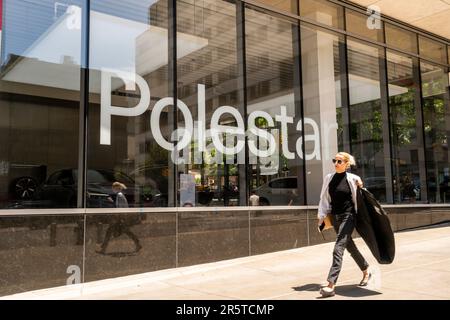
point(338, 199)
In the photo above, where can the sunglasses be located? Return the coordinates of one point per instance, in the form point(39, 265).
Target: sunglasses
point(338, 161)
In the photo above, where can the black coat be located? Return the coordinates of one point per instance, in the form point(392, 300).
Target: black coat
point(372, 224)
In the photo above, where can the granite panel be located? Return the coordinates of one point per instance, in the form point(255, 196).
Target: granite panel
point(156, 234)
point(211, 236)
point(272, 231)
point(38, 252)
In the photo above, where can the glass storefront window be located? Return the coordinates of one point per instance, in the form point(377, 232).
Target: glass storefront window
point(436, 121)
point(367, 26)
point(195, 151)
point(128, 76)
point(323, 11)
point(432, 50)
point(400, 39)
point(284, 5)
point(366, 116)
point(39, 103)
point(273, 106)
point(209, 171)
point(407, 147)
point(325, 121)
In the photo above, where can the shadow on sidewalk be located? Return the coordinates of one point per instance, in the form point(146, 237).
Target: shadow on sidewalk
point(355, 291)
point(352, 291)
point(308, 287)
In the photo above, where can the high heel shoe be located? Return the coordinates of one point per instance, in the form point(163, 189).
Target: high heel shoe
point(365, 280)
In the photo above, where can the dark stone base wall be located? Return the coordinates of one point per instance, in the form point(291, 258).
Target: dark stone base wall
point(39, 252)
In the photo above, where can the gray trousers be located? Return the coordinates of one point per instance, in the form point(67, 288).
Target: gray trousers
point(344, 224)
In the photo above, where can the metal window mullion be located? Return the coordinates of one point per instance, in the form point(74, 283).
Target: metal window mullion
point(386, 126)
point(299, 107)
point(172, 116)
point(244, 169)
point(84, 104)
point(448, 59)
point(4, 27)
point(447, 111)
point(420, 125)
point(83, 122)
point(345, 89)
point(172, 87)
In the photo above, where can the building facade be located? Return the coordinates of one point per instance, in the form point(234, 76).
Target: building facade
point(195, 107)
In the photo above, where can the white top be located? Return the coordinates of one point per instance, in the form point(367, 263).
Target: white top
point(254, 200)
point(325, 199)
point(121, 201)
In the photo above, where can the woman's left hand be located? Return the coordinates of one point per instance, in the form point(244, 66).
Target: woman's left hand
point(359, 183)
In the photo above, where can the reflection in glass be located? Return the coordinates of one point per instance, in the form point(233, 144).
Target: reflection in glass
point(126, 243)
point(209, 236)
point(275, 230)
point(364, 25)
point(405, 133)
point(323, 11)
point(432, 49)
point(400, 38)
point(322, 103)
point(40, 251)
point(284, 5)
point(366, 116)
point(128, 48)
point(271, 88)
point(436, 121)
point(207, 35)
point(39, 99)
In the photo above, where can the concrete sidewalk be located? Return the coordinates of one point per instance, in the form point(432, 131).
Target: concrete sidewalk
point(421, 270)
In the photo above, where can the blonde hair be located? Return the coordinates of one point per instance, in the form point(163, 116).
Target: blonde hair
point(118, 185)
point(348, 158)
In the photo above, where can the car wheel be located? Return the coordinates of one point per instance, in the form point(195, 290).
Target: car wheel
point(24, 188)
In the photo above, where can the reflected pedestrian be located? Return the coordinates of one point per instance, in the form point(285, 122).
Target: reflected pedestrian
point(122, 226)
point(292, 197)
point(338, 198)
point(254, 199)
point(409, 190)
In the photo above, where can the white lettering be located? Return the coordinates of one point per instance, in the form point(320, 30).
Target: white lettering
point(156, 130)
point(186, 310)
point(217, 129)
point(264, 134)
point(315, 137)
point(201, 123)
point(107, 110)
point(201, 145)
point(284, 119)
